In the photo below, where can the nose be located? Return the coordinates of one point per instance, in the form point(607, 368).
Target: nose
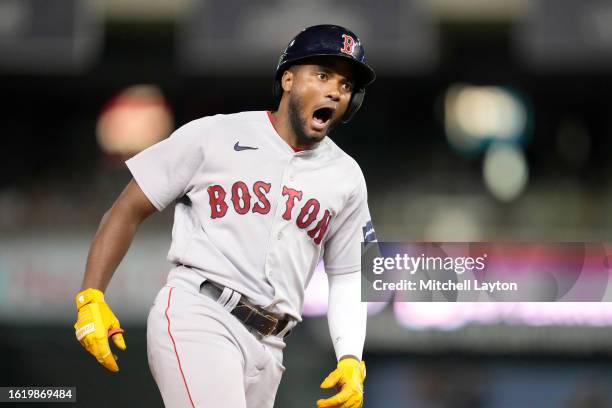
point(333, 90)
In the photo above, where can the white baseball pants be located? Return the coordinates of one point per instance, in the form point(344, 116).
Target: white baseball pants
point(202, 356)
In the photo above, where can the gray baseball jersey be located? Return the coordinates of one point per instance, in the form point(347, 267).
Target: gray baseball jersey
point(251, 213)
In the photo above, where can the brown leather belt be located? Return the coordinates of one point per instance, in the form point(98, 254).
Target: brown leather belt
point(252, 316)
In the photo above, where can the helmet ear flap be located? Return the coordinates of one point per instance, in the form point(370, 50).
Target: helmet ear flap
point(354, 105)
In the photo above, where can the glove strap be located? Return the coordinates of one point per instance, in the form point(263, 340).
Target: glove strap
point(351, 363)
point(88, 296)
point(112, 332)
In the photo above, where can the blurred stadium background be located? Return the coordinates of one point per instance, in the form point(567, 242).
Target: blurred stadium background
point(490, 120)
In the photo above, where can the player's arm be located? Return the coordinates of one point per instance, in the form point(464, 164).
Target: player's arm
point(162, 173)
point(347, 330)
point(95, 320)
point(347, 317)
point(346, 314)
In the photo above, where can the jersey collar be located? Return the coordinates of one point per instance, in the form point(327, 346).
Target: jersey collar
point(290, 149)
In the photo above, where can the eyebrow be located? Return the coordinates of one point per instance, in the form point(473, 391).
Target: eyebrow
point(328, 70)
point(324, 69)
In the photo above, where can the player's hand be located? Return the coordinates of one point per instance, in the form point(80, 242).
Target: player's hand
point(95, 324)
point(347, 378)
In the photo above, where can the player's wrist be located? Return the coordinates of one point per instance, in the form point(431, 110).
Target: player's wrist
point(88, 296)
point(351, 364)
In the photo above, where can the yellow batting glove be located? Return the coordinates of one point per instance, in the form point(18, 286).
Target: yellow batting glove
point(95, 324)
point(347, 378)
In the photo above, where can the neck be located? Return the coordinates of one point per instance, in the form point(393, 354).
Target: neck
point(283, 127)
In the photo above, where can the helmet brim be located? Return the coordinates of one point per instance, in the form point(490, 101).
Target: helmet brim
point(365, 73)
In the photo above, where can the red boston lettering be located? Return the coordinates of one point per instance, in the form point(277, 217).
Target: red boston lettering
point(291, 196)
point(318, 232)
point(241, 199)
point(308, 214)
point(245, 196)
point(260, 188)
point(218, 207)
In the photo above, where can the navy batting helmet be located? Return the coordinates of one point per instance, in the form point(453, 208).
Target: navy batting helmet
point(328, 40)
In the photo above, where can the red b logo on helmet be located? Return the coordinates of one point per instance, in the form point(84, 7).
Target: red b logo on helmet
point(349, 44)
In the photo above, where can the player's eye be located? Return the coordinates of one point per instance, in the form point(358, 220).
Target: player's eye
point(322, 75)
point(347, 87)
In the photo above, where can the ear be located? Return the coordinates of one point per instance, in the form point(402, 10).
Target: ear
point(287, 80)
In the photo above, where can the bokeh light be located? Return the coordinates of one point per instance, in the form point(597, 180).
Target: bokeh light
point(505, 171)
point(474, 115)
point(135, 119)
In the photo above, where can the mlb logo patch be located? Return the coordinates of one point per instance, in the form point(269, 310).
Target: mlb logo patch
point(368, 232)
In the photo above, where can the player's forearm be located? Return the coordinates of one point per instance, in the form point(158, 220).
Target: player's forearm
point(347, 315)
point(109, 246)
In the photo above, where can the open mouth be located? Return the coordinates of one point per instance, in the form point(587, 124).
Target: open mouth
point(322, 116)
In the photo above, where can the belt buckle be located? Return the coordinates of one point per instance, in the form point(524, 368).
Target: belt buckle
point(272, 328)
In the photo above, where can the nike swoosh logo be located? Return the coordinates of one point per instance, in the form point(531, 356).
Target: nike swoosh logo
point(239, 148)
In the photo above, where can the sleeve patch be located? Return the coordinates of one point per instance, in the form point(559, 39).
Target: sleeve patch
point(368, 232)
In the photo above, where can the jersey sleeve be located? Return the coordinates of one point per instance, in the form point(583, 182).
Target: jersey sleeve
point(164, 171)
point(352, 226)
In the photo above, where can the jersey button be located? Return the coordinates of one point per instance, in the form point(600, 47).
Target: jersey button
point(279, 236)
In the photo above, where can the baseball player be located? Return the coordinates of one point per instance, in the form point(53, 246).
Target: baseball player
point(260, 198)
